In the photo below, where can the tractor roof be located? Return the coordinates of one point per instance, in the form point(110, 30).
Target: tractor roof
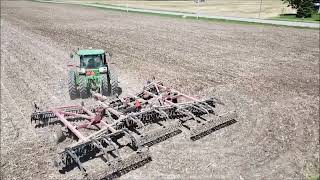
point(90, 51)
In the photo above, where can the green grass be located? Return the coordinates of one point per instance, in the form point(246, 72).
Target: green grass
point(292, 17)
point(314, 177)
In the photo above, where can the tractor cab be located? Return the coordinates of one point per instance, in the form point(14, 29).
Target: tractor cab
point(93, 58)
point(91, 61)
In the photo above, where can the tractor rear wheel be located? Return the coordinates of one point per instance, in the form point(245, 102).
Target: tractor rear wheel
point(104, 85)
point(113, 83)
point(72, 86)
point(109, 83)
point(84, 87)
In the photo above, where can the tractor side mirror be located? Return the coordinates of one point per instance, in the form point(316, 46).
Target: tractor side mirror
point(71, 55)
point(110, 54)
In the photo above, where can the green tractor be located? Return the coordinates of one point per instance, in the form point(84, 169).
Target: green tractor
point(91, 73)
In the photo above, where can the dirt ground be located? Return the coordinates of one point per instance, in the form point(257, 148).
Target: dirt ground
point(235, 8)
point(270, 75)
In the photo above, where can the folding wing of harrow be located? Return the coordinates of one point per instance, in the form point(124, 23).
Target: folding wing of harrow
point(137, 121)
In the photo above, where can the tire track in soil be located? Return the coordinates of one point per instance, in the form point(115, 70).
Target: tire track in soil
point(129, 55)
point(31, 73)
point(4, 115)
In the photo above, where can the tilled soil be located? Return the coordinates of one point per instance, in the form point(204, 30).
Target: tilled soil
point(269, 75)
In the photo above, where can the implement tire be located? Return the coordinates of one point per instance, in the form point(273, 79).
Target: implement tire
point(72, 86)
point(84, 87)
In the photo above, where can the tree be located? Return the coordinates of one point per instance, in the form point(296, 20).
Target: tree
point(304, 8)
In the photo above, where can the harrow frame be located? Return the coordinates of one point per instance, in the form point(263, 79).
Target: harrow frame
point(127, 118)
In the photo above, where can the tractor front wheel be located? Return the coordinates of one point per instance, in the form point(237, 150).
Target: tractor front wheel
point(84, 87)
point(72, 86)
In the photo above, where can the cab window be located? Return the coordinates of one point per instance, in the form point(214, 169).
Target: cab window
point(91, 61)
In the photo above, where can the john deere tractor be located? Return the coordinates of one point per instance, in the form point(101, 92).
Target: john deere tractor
point(91, 72)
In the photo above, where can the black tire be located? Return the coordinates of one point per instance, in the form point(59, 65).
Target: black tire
point(113, 83)
point(104, 85)
point(84, 87)
point(109, 83)
point(59, 136)
point(72, 86)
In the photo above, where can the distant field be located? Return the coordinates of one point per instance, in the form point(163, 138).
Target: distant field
point(241, 8)
point(292, 17)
